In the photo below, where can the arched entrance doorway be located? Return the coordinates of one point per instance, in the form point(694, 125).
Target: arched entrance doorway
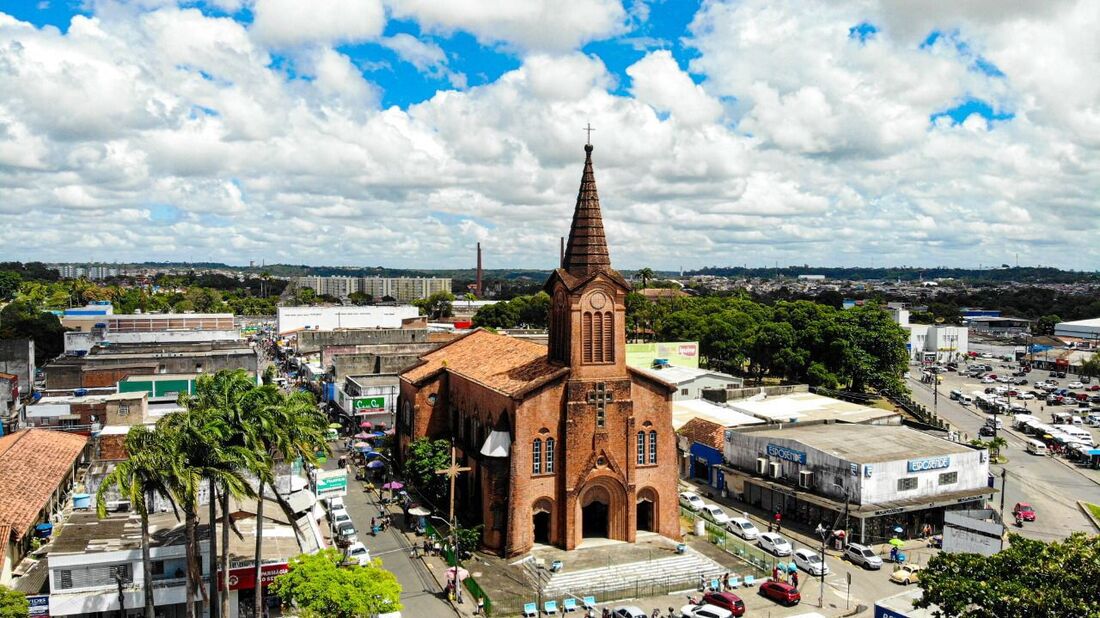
point(595, 510)
point(646, 510)
point(541, 519)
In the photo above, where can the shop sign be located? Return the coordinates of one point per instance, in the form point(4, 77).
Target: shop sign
point(930, 463)
point(788, 454)
point(369, 404)
point(332, 483)
point(244, 578)
point(889, 511)
point(39, 606)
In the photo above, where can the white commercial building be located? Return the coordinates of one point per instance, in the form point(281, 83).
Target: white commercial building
point(291, 319)
point(1088, 330)
point(877, 477)
point(690, 381)
point(937, 343)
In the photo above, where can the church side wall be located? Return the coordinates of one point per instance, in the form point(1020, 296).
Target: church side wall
point(539, 416)
point(652, 404)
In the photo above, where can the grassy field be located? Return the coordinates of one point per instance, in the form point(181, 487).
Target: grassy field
point(1094, 509)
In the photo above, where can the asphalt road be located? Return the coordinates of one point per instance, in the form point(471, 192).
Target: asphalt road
point(1052, 487)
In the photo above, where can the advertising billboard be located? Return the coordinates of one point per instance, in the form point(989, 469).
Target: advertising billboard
point(676, 353)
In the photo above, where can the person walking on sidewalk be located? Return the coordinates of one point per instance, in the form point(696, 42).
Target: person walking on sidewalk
point(775, 573)
point(778, 522)
point(794, 579)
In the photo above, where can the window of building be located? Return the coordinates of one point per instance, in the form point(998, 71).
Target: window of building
point(549, 455)
point(653, 447)
point(949, 478)
point(156, 567)
point(123, 409)
point(536, 457)
point(641, 447)
point(586, 334)
point(65, 577)
point(683, 391)
point(907, 483)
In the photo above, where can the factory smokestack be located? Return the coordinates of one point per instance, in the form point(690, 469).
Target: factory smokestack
point(561, 252)
point(480, 290)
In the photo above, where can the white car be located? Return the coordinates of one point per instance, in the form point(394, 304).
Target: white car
point(743, 528)
point(863, 556)
point(359, 553)
point(339, 517)
point(628, 611)
point(334, 504)
point(715, 514)
point(691, 500)
point(810, 561)
point(705, 611)
point(772, 542)
point(1075, 385)
point(988, 380)
point(1025, 395)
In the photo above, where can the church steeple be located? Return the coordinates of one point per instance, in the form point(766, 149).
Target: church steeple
point(586, 252)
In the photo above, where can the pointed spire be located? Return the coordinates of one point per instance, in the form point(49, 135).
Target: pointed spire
point(586, 252)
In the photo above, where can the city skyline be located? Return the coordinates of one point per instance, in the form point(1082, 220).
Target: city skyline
point(849, 134)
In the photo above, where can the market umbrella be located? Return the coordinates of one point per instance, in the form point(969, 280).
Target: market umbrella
point(377, 463)
point(389, 432)
point(374, 454)
point(362, 435)
point(394, 485)
point(361, 445)
point(419, 511)
point(377, 434)
point(791, 567)
point(366, 448)
point(334, 425)
point(457, 572)
point(899, 529)
point(896, 542)
point(366, 425)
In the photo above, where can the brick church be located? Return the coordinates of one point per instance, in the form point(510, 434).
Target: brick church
point(564, 441)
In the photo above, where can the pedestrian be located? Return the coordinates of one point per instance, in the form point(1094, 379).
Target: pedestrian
point(778, 521)
point(794, 579)
point(775, 573)
point(726, 582)
point(480, 609)
point(373, 525)
point(606, 613)
point(702, 583)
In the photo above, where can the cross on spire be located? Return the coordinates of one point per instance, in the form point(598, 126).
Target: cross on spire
point(452, 471)
point(588, 129)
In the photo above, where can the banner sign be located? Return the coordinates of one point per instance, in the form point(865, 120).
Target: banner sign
point(244, 578)
point(331, 483)
point(788, 454)
point(39, 606)
point(369, 404)
point(931, 463)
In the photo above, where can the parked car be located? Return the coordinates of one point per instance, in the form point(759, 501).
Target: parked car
point(743, 528)
point(810, 561)
point(986, 431)
point(772, 542)
point(630, 611)
point(346, 533)
point(1075, 385)
point(1020, 381)
point(863, 556)
point(339, 517)
point(989, 380)
point(714, 514)
point(906, 574)
point(705, 611)
point(334, 504)
point(691, 501)
point(727, 601)
point(1095, 387)
point(359, 553)
point(784, 594)
point(1024, 510)
point(1026, 395)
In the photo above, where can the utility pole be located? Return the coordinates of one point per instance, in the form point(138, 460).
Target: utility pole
point(821, 591)
point(1004, 477)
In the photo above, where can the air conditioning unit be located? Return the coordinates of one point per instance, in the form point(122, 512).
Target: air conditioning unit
point(806, 479)
point(761, 466)
point(776, 469)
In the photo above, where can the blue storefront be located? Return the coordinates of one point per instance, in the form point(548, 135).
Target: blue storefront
point(704, 465)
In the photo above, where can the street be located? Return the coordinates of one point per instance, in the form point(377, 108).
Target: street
point(1051, 486)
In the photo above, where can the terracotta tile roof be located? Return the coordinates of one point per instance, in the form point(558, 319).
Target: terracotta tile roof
point(33, 463)
point(505, 364)
point(704, 432)
point(5, 538)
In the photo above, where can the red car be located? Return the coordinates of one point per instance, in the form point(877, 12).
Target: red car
point(1024, 510)
point(725, 600)
point(784, 594)
point(1095, 387)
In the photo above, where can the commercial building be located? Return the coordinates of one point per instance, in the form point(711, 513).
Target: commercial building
point(690, 382)
point(901, 606)
point(106, 366)
point(866, 479)
point(1084, 330)
point(37, 470)
point(88, 320)
point(999, 325)
point(400, 289)
point(294, 319)
point(86, 413)
point(933, 343)
point(806, 407)
point(17, 358)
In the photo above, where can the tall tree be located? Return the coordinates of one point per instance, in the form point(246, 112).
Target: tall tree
point(139, 478)
point(646, 274)
point(319, 587)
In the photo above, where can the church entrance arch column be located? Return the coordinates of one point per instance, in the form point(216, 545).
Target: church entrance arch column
point(602, 510)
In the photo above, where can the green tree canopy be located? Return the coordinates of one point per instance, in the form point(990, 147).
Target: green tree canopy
point(21, 319)
point(13, 604)
point(1030, 578)
point(424, 457)
point(320, 587)
point(438, 305)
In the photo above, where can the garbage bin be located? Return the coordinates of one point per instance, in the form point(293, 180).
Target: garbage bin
point(700, 527)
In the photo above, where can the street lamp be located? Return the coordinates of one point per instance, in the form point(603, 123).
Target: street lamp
point(821, 531)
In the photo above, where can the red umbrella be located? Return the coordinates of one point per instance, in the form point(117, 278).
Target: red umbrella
point(366, 425)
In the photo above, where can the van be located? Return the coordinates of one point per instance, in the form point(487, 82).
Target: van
point(966, 400)
point(956, 395)
point(1036, 447)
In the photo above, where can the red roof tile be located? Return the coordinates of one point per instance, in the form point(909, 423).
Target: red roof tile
point(505, 364)
point(704, 432)
point(33, 463)
point(5, 538)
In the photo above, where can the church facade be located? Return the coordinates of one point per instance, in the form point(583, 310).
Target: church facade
point(563, 441)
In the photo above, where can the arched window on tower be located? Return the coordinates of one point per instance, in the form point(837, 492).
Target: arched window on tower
point(549, 455)
point(586, 334)
point(608, 337)
point(641, 447)
point(536, 457)
point(653, 447)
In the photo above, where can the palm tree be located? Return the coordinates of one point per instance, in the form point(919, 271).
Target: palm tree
point(221, 394)
point(646, 274)
point(470, 297)
point(198, 445)
point(138, 479)
point(286, 427)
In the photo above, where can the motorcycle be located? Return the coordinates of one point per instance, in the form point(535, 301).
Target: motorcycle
point(1019, 521)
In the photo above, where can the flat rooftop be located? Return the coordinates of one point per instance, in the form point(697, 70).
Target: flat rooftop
point(864, 443)
point(802, 407)
point(684, 411)
point(679, 375)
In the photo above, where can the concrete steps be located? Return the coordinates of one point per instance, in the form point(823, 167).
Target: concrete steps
point(682, 569)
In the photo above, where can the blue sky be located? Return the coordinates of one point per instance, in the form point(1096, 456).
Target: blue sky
point(403, 132)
